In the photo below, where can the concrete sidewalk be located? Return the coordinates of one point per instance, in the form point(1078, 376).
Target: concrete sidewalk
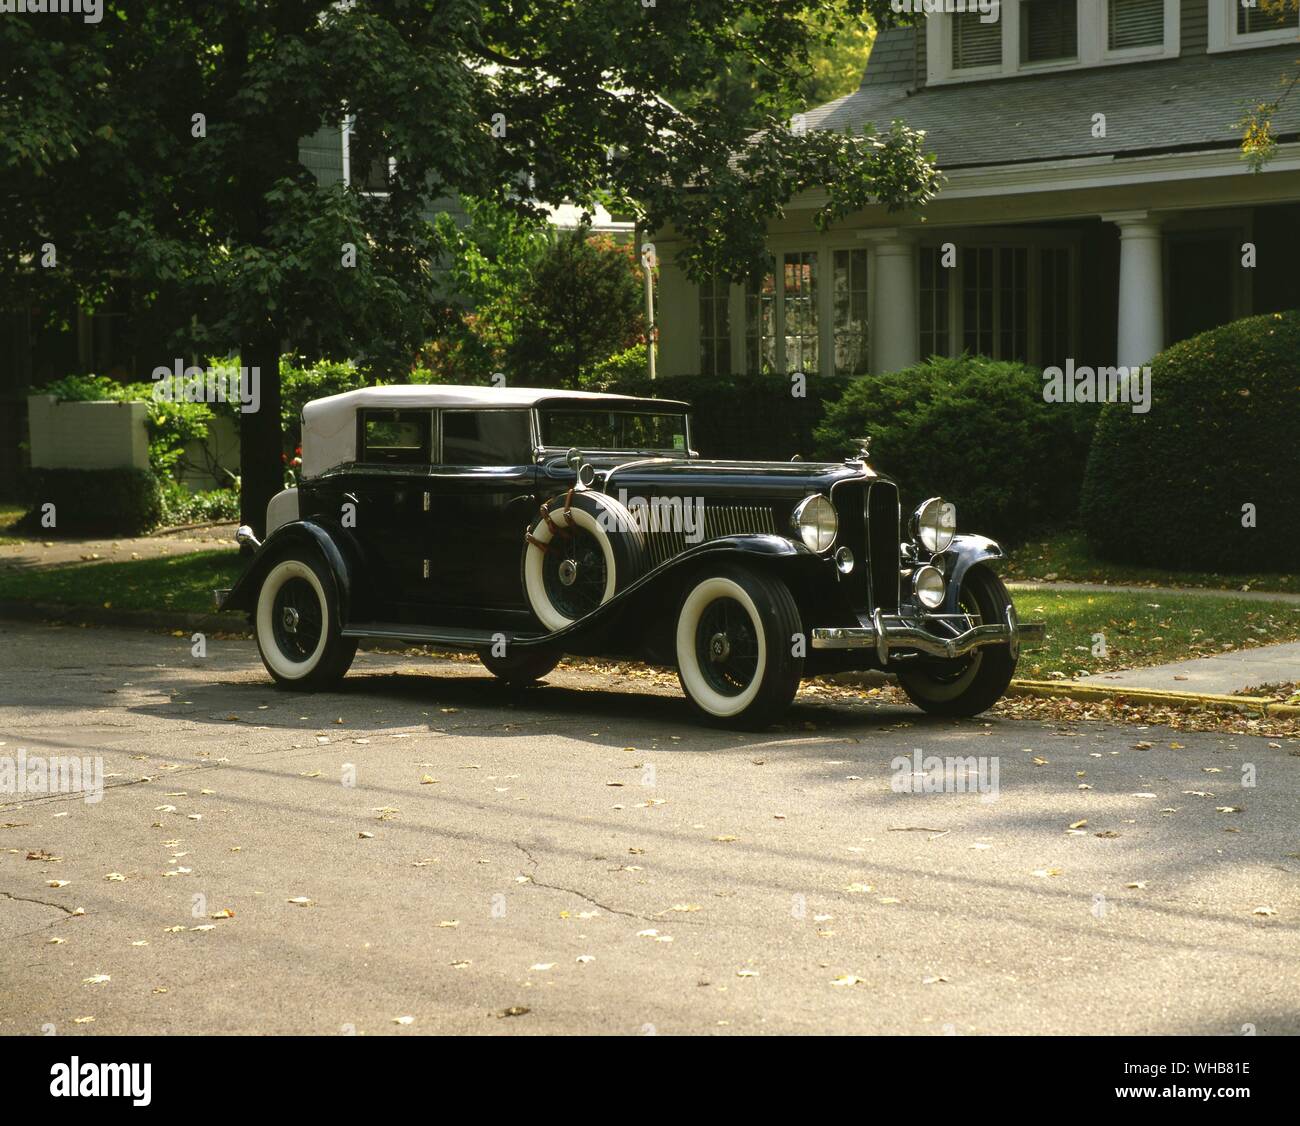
point(40, 555)
point(1123, 588)
point(1224, 674)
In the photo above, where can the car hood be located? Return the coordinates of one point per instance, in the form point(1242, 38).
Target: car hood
point(674, 474)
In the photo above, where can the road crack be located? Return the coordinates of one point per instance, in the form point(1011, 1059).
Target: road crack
point(580, 894)
point(42, 902)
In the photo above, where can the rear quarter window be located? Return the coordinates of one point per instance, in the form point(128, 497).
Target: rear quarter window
point(396, 437)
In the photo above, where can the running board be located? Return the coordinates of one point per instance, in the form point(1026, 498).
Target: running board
point(433, 635)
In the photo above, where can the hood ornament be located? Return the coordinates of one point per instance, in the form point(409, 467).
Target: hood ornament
point(864, 447)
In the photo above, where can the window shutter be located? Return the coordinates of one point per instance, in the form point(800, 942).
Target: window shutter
point(1136, 23)
point(975, 43)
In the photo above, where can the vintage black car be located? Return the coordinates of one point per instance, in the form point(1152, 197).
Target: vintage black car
point(528, 524)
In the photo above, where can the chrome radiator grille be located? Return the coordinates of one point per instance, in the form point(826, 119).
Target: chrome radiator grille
point(883, 538)
point(665, 525)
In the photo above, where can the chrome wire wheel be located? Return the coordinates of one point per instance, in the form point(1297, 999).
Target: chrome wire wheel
point(574, 572)
point(726, 647)
point(296, 619)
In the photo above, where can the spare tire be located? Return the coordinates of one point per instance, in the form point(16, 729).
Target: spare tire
point(581, 550)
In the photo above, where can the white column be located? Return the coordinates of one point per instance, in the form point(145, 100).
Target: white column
point(893, 327)
point(1141, 288)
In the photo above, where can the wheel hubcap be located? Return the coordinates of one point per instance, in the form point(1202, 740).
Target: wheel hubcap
point(568, 572)
point(719, 648)
point(290, 620)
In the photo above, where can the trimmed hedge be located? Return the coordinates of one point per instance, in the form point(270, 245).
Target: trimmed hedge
point(107, 502)
point(739, 416)
point(1167, 488)
point(974, 431)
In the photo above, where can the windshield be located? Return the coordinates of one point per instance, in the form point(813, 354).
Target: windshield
point(614, 430)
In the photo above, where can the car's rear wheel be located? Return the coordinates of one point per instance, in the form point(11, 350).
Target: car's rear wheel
point(520, 667)
point(297, 624)
point(581, 550)
point(974, 683)
point(735, 644)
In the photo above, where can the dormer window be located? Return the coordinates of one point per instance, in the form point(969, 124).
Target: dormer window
point(1133, 24)
point(1049, 31)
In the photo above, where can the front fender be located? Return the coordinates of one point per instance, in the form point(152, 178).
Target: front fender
point(768, 547)
point(334, 544)
point(965, 553)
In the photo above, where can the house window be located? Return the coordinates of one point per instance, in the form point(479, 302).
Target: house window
point(1049, 30)
point(975, 41)
point(849, 291)
point(715, 328)
point(1055, 302)
point(933, 308)
point(800, 311)
point(365, 167)
point(995, 302)
point(1266, 16)
point(1135, 23)
point(760, 325)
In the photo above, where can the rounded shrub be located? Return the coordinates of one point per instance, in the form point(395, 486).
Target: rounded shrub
point(1207, 479)
point(976, 432)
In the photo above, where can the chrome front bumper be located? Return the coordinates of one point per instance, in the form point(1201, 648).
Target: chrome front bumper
point(887, 633)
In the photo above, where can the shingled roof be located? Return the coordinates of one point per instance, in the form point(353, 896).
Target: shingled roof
point(1167, 105)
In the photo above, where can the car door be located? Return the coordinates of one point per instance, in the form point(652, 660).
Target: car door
point(484, 497)
point(387, 488)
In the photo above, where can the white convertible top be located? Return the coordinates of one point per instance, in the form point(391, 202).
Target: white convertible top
point(329, 425)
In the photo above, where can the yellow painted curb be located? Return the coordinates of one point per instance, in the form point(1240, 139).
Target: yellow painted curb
point(1086, 692)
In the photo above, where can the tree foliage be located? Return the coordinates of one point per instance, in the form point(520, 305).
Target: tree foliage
point(162, 145)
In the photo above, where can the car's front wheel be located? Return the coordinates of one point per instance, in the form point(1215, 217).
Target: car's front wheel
point(298, 627)
point(736, 642)
point(974, 683)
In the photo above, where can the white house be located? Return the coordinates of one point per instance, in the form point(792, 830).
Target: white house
point(1096, 204)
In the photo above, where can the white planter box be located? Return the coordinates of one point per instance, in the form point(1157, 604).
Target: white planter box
point(100, 435)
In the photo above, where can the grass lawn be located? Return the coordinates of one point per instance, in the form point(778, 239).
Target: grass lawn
point(176, 582)
point(9, 515)
point(1139, 628)
point(1145, 629)
point(1065, 556)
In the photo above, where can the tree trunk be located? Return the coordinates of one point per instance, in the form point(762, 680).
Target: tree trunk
point(260, 440)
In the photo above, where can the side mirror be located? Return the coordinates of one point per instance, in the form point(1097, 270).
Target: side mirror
point(245, 537)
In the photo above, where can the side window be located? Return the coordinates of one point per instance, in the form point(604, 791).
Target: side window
point(396, 437)
point(490, 437)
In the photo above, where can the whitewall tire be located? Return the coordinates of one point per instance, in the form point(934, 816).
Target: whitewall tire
point(735, 641)
point(297, 625)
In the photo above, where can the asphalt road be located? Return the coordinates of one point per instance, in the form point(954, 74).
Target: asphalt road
point(582, 858)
